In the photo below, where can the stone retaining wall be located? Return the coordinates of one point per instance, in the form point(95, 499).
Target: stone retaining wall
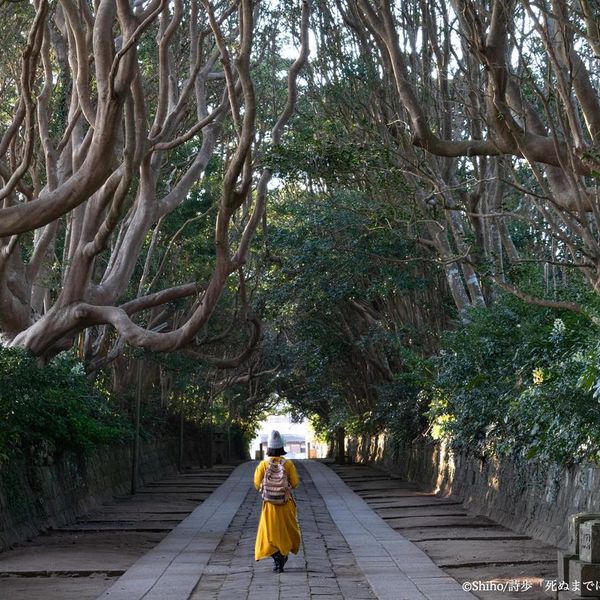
point(35, 498)
point(522, 495)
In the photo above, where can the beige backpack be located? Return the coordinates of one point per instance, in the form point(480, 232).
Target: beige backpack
point(275, 487)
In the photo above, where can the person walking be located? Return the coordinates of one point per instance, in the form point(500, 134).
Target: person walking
point(278, 531)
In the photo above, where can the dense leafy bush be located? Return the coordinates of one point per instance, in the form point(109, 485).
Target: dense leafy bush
point(520, 379)
point(44, 411)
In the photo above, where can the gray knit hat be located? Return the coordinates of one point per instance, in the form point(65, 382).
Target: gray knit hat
point(275, 440)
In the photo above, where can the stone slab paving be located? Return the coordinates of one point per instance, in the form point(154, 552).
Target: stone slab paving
point(82, 560)
point(395, 568)
point(348, 552)
point(496, 563)
point(172, 568)
point(324, 568)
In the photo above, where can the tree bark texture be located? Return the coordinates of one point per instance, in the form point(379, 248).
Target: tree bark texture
point(91, 163)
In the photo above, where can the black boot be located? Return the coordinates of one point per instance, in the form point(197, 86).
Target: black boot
point(278, 560)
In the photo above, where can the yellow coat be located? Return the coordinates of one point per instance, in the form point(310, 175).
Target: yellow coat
point(278, 526)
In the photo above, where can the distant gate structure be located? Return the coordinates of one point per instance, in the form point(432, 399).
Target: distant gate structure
point(299, 438)
point(294, 444)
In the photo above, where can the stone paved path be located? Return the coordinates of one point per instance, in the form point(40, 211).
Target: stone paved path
point(324, 568)
point(348, 552)
point(471, 548)
point(395, 568)
point(81, 560)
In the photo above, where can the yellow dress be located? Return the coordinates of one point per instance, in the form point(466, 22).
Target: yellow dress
point(278, 526)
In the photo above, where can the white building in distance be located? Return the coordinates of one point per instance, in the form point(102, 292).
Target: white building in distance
point(299, 438)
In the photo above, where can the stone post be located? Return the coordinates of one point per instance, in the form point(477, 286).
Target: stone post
point(579, 567)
